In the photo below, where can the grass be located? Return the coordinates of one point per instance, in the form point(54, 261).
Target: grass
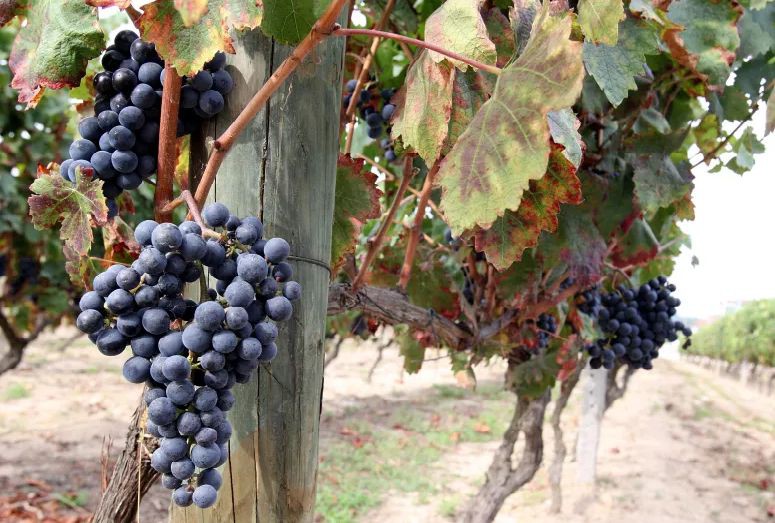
point(77, 500)
point(15, 391)
point(401, 453)
point(448, 507)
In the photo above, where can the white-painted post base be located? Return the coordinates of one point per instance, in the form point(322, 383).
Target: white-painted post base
point(592, 406)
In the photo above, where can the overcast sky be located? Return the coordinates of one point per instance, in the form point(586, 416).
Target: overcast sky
point(732, 236)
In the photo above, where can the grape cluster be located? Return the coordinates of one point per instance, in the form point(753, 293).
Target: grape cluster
point(119, 143)
point(635, 322)
point(191, 354)
point(376, 110)
point(547, 326)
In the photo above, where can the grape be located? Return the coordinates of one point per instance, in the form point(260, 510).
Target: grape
point(120, 301)
point(282, 272)
point(266, 332)
point(193, 247)
point(103, 82)
point(205, 399)
point(279, 308)
point(189, 227)
point(160, 462)
point(161, 411)
point(124, 80)
point(212, 361)
point(211, 102)
point(215, 214)
point(209, 316)
point(89, 321)
point(143, 51)
point(217, 379)
point(196, 339)
point(137, 369)
point(172, 344)
point(107, 120)
point(156, 321)
point(147, 297)
point(128, 181)
point(143, 96)
point(236, 318)
point(176, 368)
point(64, 168)
point(267, 287)
point(387, 112)
point(224, 342)
point(205, 496)
point(82, 150)
point(276, 250)
point(202, 81)
point(89, 128)
point(132, 118)
point(150, 73)
point(292, 290)
point(124, 40)
point(170, 482)
point(269, 352)
point(225, 271)
point(226, 400)
point(182, 497)
point(223, 82)
point(215, 254)
point(91, 300)
point(239, 294)
point(144, 346)
point(166, 237)
point(101, 162)
point(130, 325)
point(216, 62)
point(189, 424)
point(211, 477)
point(183, 469)
point(111, 60)
point(206, 436)
point(249, 349)
point(246, 234)
point(121, 138)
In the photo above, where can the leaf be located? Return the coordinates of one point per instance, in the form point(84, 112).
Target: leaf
point(735, 104)
point(458, 26)
point(511, 234)
point(56, 199)
point(564, 128)
point(531, 378)
point(705, 36)
point(637, 246)
point(614, 67)
point(522, 16)
point(658, 182)
point(290, 20)
point(423, 119)
point(500, 33)
point(580, 247)
point(469, 92)
point(356, 200)
point(757, 32)
point(53, 49)
point(645, 8)
point(410, 348)
point(188, 48)
point(599, 20)
point(507, 143)
point(121, 4)
point(191, 10)
point(10, 8)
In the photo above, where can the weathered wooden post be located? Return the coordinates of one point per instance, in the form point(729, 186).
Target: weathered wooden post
point(282, 168)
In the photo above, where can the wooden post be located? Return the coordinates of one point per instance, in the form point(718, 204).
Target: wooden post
point(282, 168)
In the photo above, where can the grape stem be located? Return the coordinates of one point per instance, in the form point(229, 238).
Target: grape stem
point(193, 211)
point(168, 128)
point(414, 232)
point(340, 31)
point(375, 243)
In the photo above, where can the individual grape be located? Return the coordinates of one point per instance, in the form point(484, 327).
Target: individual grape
point(168, 431)
point(128, 181)
point(89, 129)
point(144, 96)
point(156, 370)
point(64, 169)
point(107, 120)
point(156, 321)
point(215, 255)
point(124, 80)
point(223, 82)
point(282, 272)
point(276, 250)
point(161, 411)
point(82, 150)
point(239, 294)
point(150, 73)
point(205, 399)
point(143, 51)
point(170, 482)
point(130, 325)
point(124, 40)
point(183, 469)
point(182, 497)
point(215, 214)
point(118, 102)
point(193, 247)
point(120, 301)
point(279, 308)
point(111, 60)
point(211, 102)
point(137, 369)
point(267, 288)
point(249, 349)
point(89, 321)
point(202, 81)
point(226, 400)
point(91, 300)
point(101, 162)
point(225, 271)
point(266, 332)
point(169, 285)
point(292, 290)
point(269, 352)
point(144, 346)
point(103, 83)
point(110, 342)
point(176, 368)
point(166, 237)
point(211, 477)
point(189, 424)
point(196, 339)
point(216, 379)
point(387, 112)
point(160, 462)
point(121, 138)
point(224, 341)
point(132, 118)
point(246, 234)
point(206, 436)
point(205, 496)
point(147, 297)
point(189, 227)
point(209, 316)
point(212, 361)
point(84, 166)
point(236, 318)
point(172, 344)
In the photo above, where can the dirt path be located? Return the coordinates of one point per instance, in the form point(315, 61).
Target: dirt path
point(684, 445)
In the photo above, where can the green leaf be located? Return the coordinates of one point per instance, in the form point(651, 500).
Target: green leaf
point(658, 182)
point(705, 38)
point(56, 199)
point(289, 21)
point(577, 245)
point(563, 126)
point(531, 378)
point(599, 20)
point(469, 92)
point(423, 119)
point(188, 48)
point(637, 246)
point(654, 119)
point(52, 50)
point(411, 349)
point(507, 143)
point(515, 231)
point(614, 67)
point(757, 32)
point(191, 11)
point(499, 31)
point(734, 103)
point(356, 200)
point(458, 26)
point(749, 76)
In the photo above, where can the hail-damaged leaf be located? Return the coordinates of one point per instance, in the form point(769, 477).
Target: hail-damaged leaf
point(191, 10)
point(470, 90)
point(76, 206)
point(458, 26)
point(423, 120)
point(53, 49)
point(564, 128)
point(614, 67)
point(599, 20)
point(356, 200)
point(188, 48)
point(704, 36)
point(10, 8)
point(658, 183)
point(515, 231)
point(290, 20)
point(501, 34)
point(507, 143)
point(637, 246)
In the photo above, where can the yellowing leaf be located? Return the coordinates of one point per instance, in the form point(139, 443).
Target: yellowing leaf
point(458, 26)
point(53, 49)
point(423, 120)
point(356, 200)
point(511, 234)
point(507, 143)
point(599, 20)
point(56, 199)
point(191, 10)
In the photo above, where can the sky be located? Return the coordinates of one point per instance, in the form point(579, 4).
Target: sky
point(732, 236)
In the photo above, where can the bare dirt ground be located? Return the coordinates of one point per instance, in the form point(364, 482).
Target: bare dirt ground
point(684, 444)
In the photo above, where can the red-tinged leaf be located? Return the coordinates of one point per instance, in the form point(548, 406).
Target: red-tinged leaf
point(191, 10)
point(515, 231)
point(637, 246)
point(501, 34)
point(119, 241)
point(469, 91)
point(356, 200)
point(75, 206)
point(188, 48)
point(53, 49)
point(458, 26)
point(423, 119)
point(567, 357)
point(10, 8)
point(507, 143)
point(577, 247)
point(121, 4)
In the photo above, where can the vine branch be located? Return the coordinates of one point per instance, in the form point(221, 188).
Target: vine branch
point(168, 131)
point(414, 234)
point(712, 154)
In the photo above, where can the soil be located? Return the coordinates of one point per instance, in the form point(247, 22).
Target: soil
point(683, 445)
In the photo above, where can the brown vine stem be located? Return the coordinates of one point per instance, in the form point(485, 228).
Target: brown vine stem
point(364, 74)
point(224, 142)
point(414, 233)
point(193, 210)
point(168, 150)
point(340, 31)
point(376, 243)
